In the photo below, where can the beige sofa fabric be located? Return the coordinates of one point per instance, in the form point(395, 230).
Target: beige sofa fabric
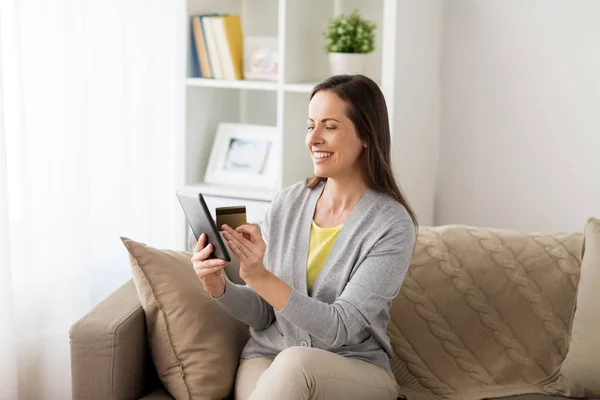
point(195, 344)
point(483, 312)
point(580, 371)
point(109, 356)
point(160, 394)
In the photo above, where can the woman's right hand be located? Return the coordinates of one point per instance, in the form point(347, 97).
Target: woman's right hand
point(208, 270)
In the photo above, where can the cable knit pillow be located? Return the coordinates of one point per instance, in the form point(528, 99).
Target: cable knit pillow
point(195, 344)
point(580, 371)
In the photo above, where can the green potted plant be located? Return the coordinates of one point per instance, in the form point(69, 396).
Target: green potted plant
point(349, 39)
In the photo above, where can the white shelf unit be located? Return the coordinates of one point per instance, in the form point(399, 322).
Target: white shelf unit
point(303, 63)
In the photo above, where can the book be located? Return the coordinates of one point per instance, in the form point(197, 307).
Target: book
point(199, 46)
point(196, 70)
point(213, 49)
point(211, 63)
point(230, 43)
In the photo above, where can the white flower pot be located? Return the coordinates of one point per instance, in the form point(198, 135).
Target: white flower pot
point(347, 63)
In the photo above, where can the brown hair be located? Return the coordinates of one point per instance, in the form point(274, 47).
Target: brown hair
point(366, 108)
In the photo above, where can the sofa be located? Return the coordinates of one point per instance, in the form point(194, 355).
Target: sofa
point(482, 313)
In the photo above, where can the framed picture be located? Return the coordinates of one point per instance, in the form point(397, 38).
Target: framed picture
point(261, 58)
point(243, 155)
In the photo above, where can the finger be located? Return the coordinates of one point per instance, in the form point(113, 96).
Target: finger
point(239, 252)
point(201, 242)
point(210, 264)
point(204, 253)
point(208, 271)
point(226, 228)
point(232, 236)
point(250, 230)
point(234, 244)
point(240, 238)
point(241, 256)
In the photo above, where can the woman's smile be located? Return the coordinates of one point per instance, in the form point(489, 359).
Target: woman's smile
point(321, 156)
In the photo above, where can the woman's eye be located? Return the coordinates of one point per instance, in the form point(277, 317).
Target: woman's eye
point(329, 128)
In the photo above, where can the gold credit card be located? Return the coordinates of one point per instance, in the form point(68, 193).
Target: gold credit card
point(232, 216)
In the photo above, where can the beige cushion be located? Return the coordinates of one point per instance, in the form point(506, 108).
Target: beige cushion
point(580, 371)
point(483, 312)
point(195, 344)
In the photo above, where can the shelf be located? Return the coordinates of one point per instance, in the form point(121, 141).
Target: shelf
point(233, 192)
point(237, 84)
point(300, 87)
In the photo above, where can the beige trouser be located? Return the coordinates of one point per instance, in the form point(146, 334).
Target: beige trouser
point(315, 374)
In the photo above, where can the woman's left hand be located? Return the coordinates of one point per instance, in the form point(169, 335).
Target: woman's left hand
point(248, 245)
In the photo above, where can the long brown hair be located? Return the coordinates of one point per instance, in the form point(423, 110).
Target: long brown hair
point(366, 108)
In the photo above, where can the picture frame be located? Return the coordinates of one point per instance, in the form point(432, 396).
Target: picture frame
point(243, 155)
point(261, 58)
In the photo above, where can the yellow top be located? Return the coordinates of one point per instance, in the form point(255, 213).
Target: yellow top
point(320, 244)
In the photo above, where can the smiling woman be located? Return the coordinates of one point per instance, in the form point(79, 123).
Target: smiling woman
point(333, 252)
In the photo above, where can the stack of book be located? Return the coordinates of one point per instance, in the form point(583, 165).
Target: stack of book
point(217, 42)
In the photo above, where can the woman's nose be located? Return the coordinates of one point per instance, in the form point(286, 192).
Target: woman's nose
point(315, 136)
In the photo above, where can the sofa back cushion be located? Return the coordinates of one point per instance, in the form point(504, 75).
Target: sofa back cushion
point(484, 307)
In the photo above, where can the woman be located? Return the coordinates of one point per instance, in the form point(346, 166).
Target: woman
point(333, 254)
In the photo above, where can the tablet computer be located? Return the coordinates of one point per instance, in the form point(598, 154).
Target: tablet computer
point(200, 221)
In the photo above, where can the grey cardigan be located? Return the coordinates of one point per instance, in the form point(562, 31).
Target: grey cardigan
point(347, 311)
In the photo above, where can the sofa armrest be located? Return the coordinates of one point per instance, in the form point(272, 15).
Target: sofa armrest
point(109, 351)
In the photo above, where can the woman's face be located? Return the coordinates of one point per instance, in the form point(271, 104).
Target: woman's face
point(331, 137)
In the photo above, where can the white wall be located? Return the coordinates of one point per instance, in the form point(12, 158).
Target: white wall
point(415, 110)
point(520, 124)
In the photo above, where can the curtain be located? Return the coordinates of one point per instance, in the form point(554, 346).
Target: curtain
point(90, 103)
